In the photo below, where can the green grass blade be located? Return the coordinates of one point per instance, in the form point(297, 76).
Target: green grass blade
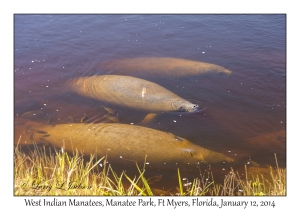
point(135, 185)
point(148, 189)
point(180, 183)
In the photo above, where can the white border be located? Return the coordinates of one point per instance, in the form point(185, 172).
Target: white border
point(8, 8)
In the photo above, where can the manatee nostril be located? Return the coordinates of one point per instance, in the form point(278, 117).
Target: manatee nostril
point(196, 106)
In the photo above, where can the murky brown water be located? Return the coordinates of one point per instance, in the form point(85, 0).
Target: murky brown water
point(245, 112)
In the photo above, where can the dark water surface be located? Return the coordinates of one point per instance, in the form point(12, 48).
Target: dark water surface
point(245, 112)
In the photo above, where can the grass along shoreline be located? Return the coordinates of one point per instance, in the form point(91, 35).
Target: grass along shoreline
point(44, 172)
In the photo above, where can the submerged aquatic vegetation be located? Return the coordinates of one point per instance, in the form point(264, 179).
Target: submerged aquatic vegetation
point(52, 172)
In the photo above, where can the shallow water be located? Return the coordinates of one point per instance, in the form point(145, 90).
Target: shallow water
point(245, 112)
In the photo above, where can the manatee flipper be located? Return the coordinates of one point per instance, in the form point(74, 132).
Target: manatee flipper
point(253, 163)
point(109, 110)
point(148, 118)
point(84, 118)
point(71, 119)
point(32, 113)
point(154, 179)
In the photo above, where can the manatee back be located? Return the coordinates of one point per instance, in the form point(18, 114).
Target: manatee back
point(171, 67)
point(126, 91)
point(126, 142)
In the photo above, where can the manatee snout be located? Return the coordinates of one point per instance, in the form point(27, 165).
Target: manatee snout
point(185, 106)
point(192, 108)
point(227, 72)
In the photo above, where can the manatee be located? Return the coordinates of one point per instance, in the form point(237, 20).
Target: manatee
point(129, 143)
point(274, 142)
point(157, 66)
point(130, 92)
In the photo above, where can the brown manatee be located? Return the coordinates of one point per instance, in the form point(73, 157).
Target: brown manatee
point(130, 92)
point(123, 142)
point(274, 141)
point(163, 66)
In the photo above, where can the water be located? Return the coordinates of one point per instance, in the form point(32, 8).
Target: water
point(244, 115)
